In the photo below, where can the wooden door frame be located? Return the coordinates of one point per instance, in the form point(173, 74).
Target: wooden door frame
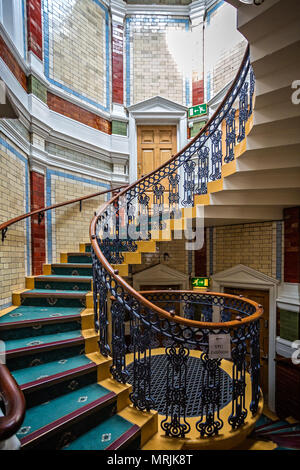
point(243, 277)
point(156, 111)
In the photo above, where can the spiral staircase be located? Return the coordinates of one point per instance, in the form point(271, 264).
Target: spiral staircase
point(93, 385)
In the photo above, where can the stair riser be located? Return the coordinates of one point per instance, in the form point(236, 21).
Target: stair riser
point(47, 393)
point(67, 432)
point(39, 329)
point(65, 285)
point(79, 259)
point(41, 357)
point(64, 270)
point(57, 302)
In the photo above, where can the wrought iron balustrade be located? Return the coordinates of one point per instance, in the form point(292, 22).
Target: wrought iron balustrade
point(181, 322)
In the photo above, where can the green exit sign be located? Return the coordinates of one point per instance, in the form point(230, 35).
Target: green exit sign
point(199, 110)
point(200, 282)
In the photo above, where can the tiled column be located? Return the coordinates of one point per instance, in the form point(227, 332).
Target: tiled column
point(38, 244)
point(292, 244)
point(118, 14)
point(34, 27)
point(201, 259)
point(196, 15)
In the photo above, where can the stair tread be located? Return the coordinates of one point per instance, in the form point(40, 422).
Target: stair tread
point(27, 313)
point(22, 343)
point(63, 277)
point(104, 435)
point(32, 374)
point(55, 291)
point(47, 413)
point(71, 265)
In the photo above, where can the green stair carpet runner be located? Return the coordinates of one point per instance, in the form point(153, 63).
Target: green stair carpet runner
point(65, 406)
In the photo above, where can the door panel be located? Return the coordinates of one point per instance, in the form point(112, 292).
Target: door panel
point(156, 145)
point(262, 298)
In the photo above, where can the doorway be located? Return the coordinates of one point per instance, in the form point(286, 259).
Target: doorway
point(262, 298)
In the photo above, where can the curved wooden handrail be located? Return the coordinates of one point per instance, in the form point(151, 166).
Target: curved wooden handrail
point(14, 403)
point(4, 226)
point(114, 272)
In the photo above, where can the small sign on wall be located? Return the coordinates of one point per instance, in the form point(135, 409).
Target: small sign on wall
point(219, 346)
point(198, 110)
point(198, 282)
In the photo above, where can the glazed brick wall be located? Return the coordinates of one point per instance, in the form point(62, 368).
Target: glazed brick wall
point(13, 251)
point(79, 114)
point(117, 63)
point(201, 260)
point(198, 92)
point(292, 244)
point(12, 64)
point(38, 246)
point(34, 27)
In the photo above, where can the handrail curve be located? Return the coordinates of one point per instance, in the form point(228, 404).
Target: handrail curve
point(211, 126)
point(4, 226)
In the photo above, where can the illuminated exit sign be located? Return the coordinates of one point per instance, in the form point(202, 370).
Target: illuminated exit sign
point(200, 282)
point(199, 110)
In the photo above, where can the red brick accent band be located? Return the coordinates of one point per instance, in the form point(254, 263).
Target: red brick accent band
point(38, 233)
point(197, 92)
point(73, 111)
point(292, 244)
point(34, 27)
point(12, 64)
point(201, 260)
point(117, 63)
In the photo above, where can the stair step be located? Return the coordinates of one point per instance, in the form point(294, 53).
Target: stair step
point(115, 433)
point(53, 297)
point(26, 315)
point(75, 257)
point(60, 282)
point(52, 419)
point(51, 372)
point(21, 346)
point(72, 269)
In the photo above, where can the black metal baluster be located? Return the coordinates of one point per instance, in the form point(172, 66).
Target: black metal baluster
point(230, 136)
point(243, 112)
point(189, 183)
point(118, 368)
point(239, 411)
point(203, 169)
point(210, 422)
point(175, 423)
point(216, 155)
point(255, 365)
point(141, 345)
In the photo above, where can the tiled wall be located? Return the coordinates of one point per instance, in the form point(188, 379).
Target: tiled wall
point(34, 27)
point(151, 69)
point(76, 48)
point(292, 244)
point(73, 111)
point(258, 246)
point(67, 226)
point(227, 66)
point(177, 257)
point(15, 251)
point(12, 64)
point(38, 235)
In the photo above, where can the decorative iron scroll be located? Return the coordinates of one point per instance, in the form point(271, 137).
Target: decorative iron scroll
point(118, 368)
point(210, 422)
point(116, 231)
point(175, 423)
point(239, 350)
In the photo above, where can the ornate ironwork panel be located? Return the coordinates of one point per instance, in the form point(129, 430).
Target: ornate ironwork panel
point(175, 423)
